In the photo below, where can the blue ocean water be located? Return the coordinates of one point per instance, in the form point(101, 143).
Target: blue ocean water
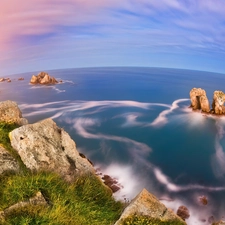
point(135, 125)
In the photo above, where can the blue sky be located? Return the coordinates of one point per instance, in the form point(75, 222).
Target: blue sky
point(54, 34)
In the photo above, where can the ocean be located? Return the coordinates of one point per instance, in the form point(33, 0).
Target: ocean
point(135, 125)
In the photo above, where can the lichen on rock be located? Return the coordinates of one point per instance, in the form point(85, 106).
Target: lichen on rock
point(10, 113)
point(45, 146)
point(146, 204)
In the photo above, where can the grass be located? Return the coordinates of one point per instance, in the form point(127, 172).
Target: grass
point(145, 220)
point(86, 201)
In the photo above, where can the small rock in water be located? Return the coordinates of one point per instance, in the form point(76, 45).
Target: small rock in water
point(183, 212)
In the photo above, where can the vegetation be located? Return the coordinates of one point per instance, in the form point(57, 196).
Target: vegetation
point(82, 202)
point(145, 220)
point(86, 201)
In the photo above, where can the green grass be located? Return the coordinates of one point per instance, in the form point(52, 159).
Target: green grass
point(145, 220)
point(86, 201)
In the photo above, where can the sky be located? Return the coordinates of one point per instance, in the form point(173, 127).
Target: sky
point(37, 35)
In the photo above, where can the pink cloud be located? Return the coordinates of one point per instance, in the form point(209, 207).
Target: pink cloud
point(39, 17)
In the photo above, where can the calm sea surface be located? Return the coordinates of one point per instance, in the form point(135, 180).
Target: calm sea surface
point(135, 125)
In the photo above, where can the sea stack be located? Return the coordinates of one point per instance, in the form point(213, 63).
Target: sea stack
point(199, 100)
point(43, 78)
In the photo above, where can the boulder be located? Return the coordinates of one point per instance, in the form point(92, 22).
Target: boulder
point(199, 100)
point(37, 200)
point(45, 146)
point(10, 113)
point(43, 78)
point(183, 212)
point(7, 162)
point(218, 102)
point(203, 200)
point(146, 204)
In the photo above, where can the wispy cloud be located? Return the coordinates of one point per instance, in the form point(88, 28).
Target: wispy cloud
point(110, 32)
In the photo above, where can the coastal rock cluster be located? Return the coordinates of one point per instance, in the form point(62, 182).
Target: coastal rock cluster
point(43, 78)
point(199, 101)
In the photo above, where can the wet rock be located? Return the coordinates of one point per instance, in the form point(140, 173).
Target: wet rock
point(7, 162)
point(146, 204)
point(111, 183)
point(43, 78)
point(10, 113)
point(211, 219)
point(183, 212)
point(203, 200)
point(45, 146)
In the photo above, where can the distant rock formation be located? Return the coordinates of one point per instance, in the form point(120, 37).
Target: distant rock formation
point(218, 102)
point(45, 146)
point(43, 78)
point(5, 79)
point(7, 162)
point(199, 101)
point(146, 204)
point(10, 113)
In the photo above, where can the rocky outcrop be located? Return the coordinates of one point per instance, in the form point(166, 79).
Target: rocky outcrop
point(5, 79)
point(37, 200)
point(199, 100)
point(146, 204)
point(45, 146)
point(218, 102)
point(10, 113)
point(183, 212)
point(7, 162)
point(43, 78)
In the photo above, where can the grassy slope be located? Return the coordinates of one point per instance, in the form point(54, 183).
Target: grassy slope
point(84, 202)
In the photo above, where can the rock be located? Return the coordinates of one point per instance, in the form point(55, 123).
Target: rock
point(2, 79)
point(211, 219)
point(45, 146)
point(199, 100)
point(183, 212)
point(203, 200)
point(221, 222)
point(43, 78)
point(37, 200)
point(10, 113)
point(146, 204)
point(218, 102)
point(7, 162)
point(20, 78)
point(111, 183)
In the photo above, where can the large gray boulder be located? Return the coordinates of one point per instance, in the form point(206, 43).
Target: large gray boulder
point(7, 162)
point(45, 146)
point(10, 113)
point(146, 204)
